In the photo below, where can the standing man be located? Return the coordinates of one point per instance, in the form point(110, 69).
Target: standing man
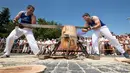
point(100, 29)
point(27, 17)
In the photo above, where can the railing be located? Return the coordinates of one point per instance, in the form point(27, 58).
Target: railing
point(24, 48)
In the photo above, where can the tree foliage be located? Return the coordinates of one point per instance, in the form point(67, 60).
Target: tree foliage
point(44, 33)
point(4, 21)
point(6, 26)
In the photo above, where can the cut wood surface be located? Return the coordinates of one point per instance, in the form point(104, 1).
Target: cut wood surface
point(23, 69)
point(123, 60)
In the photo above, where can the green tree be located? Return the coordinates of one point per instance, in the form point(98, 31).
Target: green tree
point(44, 33)
point(6, 26)
point(4, 21)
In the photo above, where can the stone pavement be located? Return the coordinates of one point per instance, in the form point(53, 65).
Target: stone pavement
point(105, 65)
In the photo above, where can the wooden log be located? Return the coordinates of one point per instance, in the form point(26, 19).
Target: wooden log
point(123, 60)
point(23, 69)
point(69, 38)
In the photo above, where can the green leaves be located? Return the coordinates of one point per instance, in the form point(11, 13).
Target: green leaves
point(6, 26)
point(4, 20)
point(44, 33)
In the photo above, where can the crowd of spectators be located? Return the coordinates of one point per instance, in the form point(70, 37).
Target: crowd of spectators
point(46, 45)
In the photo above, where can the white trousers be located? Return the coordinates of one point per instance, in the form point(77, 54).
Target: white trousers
point(89, 49)
point(107, 34)
point(15, 34)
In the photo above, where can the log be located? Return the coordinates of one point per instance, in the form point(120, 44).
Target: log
point(123, 60)
point(23, 69)
point(69, 38)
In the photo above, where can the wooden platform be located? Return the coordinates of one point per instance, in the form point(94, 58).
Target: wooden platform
point(94, 57)
point(43, 57)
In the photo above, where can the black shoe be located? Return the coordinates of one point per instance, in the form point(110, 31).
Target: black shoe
point(126, 55)
point(5, 56)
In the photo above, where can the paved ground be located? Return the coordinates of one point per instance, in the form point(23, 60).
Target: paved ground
point(105, 65)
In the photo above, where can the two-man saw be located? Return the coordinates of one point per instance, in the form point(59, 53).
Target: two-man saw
point(48, 26)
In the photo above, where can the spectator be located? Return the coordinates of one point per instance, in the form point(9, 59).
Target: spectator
point(25, 47)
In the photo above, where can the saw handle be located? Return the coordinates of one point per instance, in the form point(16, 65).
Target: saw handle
point(16, 23)
point(19, 25)
point(86, 29)
point(89, 27)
